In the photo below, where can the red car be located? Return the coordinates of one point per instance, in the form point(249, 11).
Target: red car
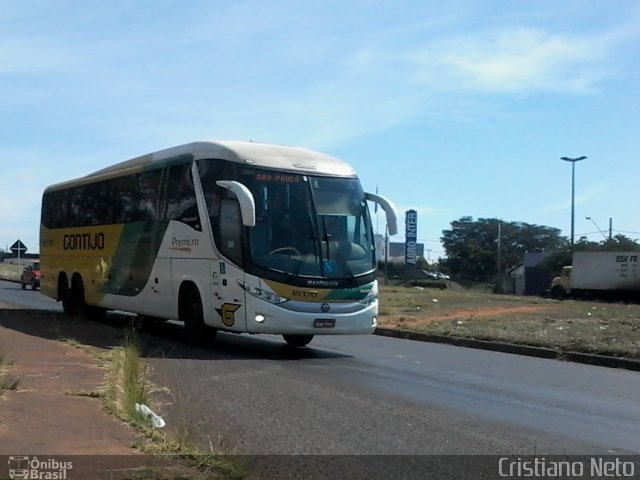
point(31, 276)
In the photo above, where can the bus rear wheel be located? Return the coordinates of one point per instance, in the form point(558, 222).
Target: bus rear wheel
point(297, 341)
point(72, 298)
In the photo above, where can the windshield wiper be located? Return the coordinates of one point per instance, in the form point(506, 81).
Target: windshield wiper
point(312, 238)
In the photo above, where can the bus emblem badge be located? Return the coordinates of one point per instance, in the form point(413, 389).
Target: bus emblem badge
point(227, 313)
point(325, 307)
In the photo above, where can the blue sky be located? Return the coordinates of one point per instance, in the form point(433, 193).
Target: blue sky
point(451, 108)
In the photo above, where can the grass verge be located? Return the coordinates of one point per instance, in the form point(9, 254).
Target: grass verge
point(7, 380)
point(10, 272)
point(128, 385)
point(611, 329)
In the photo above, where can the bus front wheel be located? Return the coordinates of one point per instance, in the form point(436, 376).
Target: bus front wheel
point(191, 314)
point(297, 341)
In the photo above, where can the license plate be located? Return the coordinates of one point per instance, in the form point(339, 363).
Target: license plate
point(324, 322)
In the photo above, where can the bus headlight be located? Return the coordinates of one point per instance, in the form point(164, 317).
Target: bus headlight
point(263, 294)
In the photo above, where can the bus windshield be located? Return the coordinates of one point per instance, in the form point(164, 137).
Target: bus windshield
point(309, 226)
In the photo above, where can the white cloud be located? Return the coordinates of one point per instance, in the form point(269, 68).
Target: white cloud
point(518, 60)
point(314, 82)
point(377, 88)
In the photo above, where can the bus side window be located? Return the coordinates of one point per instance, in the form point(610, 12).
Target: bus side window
point(146, 195)
point(53, 205)
point(181, 197)
point(230, 230)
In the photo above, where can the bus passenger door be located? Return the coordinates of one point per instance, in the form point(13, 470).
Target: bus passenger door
point(228, 295)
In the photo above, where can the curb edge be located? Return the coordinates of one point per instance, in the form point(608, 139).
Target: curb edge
point(513, 348)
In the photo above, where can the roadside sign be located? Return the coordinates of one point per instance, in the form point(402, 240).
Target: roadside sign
point(18, 247)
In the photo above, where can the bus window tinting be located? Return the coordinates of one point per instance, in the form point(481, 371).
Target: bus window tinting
point(152, 195)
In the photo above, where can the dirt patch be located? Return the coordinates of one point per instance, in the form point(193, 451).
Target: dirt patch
point(465, 313)
point(578, 326)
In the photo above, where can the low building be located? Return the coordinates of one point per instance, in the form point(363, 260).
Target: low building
point(528, 278)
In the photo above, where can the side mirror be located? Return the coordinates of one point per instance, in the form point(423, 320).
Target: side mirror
point(245, 199)
point(389, 209)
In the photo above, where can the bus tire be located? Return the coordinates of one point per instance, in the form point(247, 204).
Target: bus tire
point(297, 341)
point(192, 315)
point(64, 295)
point(73, 298)
point(68, 306)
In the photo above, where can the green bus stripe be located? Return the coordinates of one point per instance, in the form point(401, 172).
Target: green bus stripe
point(357, 293)
point(134, 257)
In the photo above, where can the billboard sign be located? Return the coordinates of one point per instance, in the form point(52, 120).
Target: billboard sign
point(411, 237)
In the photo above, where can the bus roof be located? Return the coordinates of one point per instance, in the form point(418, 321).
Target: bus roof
point(277, 157)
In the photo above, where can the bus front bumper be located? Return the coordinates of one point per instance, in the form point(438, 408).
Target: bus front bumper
point(264, 317)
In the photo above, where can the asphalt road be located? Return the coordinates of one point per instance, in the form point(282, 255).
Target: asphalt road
point(378, 395)
point(12, 293)
point(371, 395)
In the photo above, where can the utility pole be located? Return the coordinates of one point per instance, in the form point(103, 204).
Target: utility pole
point(499, 285)
point(596, 225)
point(610, 227)
point(386, 254)
point(573, 191)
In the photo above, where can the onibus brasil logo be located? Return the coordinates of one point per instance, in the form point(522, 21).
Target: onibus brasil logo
point(24, 467)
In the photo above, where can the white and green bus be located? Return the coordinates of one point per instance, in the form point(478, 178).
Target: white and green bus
point(237, 236)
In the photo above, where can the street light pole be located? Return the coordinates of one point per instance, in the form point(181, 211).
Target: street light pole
point(573, 191)
point(596, 225)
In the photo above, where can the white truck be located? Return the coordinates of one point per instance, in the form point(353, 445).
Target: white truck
point(606, 275)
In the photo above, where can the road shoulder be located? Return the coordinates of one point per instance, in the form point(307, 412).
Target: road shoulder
point(58, 411)
point(55, 408)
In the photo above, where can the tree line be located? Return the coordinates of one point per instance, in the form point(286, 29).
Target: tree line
point(476, 250)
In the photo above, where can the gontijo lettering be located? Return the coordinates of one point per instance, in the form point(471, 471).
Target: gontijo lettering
point(83, 241)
